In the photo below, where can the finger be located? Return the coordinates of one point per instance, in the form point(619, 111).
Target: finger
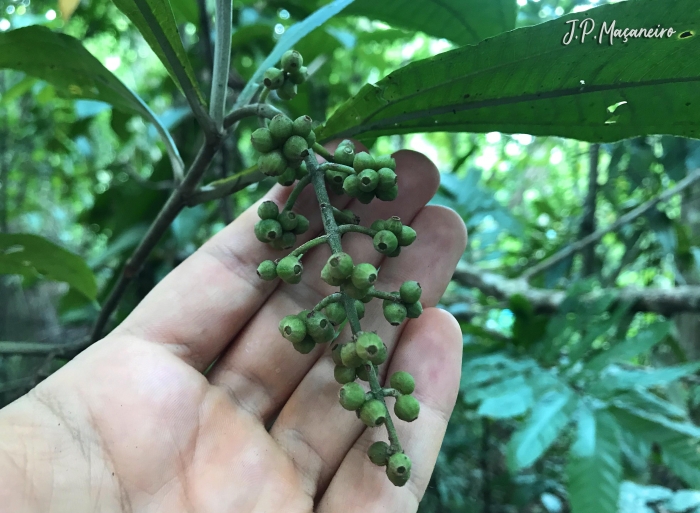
point(261, 370)
point(431, 350)
point(312, 426)
point(200, 306)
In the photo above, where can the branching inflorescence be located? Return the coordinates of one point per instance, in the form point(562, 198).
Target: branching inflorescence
point(287, 150)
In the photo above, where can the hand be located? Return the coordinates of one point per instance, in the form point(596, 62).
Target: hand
point(133, 425)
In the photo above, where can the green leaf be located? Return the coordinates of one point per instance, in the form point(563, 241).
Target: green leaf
point(625, 379)
point(638, 344)
point(31, 256)
point(549, 416)
point(461, 21)
point(594, 481)
point(515, 400)
point(585, 442)
point(63, 61)
point(527, 81)
point(156, 22)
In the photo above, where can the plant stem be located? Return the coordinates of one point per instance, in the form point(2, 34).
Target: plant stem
point(256, 109)
point(337, 167)
point(333, 234)
point(322, 151)
point(345, 228)
point(344, 218)
point(222, 62)
point(300, 186)
point(333, 298)
point(380, 294)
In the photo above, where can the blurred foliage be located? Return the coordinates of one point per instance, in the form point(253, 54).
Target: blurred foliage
point(591, 409)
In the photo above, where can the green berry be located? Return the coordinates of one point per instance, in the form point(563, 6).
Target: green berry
point(343, 375)
point(287, 240)
point(291, 61)
point(331, 279)
point(385, 161)
point(335, 354)
point(348, 143)
point(267, 270)
point(341, 265)
point(302, 225)
point(407, 236)
point(367, 298)
point(288, 177)
point(281, 127)
point(295, 148)
point(311, 139)
point(288, 90)
point(302, 126)
point(403, 382)
point(272, 163)
point(363, 372)
point(303, 315)
point(299, 76)
point(388, 194)
point(349, 356)
point(385, 242)
point(395, 253)
point(398, 469)
point(410, 291)
point(337, 177)
point(305, 346)
point(267, 230)
point(369, 179)
point(273, 78)
point(301, 170)
point(414, 310)
point(351, 185)
point(288, 220)
point(363, 161)
point(365, 197)
point(290, 269)
point(292, 328)
point(352, 396)
point(381, 355)
point(359, 309)
point(319, 327)
point(363, 276)
point(394, 225)
point(344, 155)
point(335, 313)
point(387, 179)
point(352, 291)
point(373, 412)
point(336, 188)
point(367, 345)
point(394, 313)
point(378, 225)
point(407, 408)
point(378, 453)
point(268, 210)
point(262, 141)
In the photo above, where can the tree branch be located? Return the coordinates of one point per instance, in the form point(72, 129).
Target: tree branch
point(625, 219)
point(589, 208)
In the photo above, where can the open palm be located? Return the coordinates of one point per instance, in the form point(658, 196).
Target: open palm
point(132, 424)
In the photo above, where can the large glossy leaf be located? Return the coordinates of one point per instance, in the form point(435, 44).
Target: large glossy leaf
point(461, 21)
point(528, 81)
point(594, 481)
point(64, 62)
point(156, 22)
point(31, 256)
point(549, 416)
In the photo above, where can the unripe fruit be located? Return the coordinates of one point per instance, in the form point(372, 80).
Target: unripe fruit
point(273, 78)
point(351, 185)
point(344, 155)
point(407, 408)
point(352, 396)
point(301, 170)
point(343, 375)
point(311, 139)
point(262, 141)
point(378, 453)
point(398, 468)
point(394, 225)
point(388, 194)
point(373, 412)
point(336, 177)
point(336, 188)
point(299, 76)
point(349, 356)
point(414, 310)
point(363, 372)
point(385, 242)
point(363, 161)
point(395, 253)
point(272, 163)
point(410, 291)
point(319, 327)
point(305, 346)
point(381, 355)
point(335, 313)
point(407, 236)
point(288, 220)
point(367, 345)
point(403, 382)
point(352, 291)
point(267, 230)
point(347, 143)
point(365, 197)
point(281, 128)
point(268, 210)
point(328, 276)
point(387, 179)
point(288, 240)
point(335, 355)
point(290, 269)
point(302, 225)
point(302, 126)
point(363, 276)
point(295, 148)
point(288, 177)
point(292, 328)
point(291, 61)
point(267, 270)
point(288, 90)
point(341, 265)
point(369, 179)
point(385, 161)
point(378, 225)
point(359, 309)
point(394, 313)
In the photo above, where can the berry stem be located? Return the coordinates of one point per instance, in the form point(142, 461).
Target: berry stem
point(321, 239)
point(263, 96)
point(300, 186)
point(344, 218)
point(380, 294)
point(337, 167)
point(333, 298)
point(322, 151)
point(333, 233)
point(390, 392)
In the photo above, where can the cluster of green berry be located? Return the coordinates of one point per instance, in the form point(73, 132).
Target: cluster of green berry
point(279, 229)
point(285, 80)
point(391, 236)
